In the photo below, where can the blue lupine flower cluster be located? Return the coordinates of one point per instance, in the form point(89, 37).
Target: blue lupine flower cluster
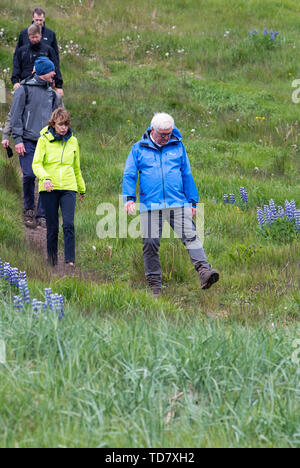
point(273, 34)
point(14, 277)
point(271, 213)
point(231, 197)
point(244, 194)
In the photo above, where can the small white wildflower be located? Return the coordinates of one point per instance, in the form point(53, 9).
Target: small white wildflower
point(173, 27)
point(167, 54)
point(193, 130)
point(94, 247)
point(71, 42)
point(237, 120)
point(94, 103)
point(67, 46)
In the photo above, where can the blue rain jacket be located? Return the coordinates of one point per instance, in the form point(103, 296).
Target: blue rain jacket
point(165, 175)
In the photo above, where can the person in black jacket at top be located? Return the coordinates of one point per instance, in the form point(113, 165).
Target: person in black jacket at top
point(25, 56)
point(48, 36)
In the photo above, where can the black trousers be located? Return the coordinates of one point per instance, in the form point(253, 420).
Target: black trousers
point(29, 179)
point(66, 201)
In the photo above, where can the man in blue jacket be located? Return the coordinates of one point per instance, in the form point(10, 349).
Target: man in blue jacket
point(167, 193)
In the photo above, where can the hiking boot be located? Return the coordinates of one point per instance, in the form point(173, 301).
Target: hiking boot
point(29, 220)
point(154, 282)
point(41, 222)
point(207, 277)
point(156, 292)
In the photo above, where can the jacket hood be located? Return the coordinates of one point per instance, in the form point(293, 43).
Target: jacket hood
point(50, 134)
point(35, 81)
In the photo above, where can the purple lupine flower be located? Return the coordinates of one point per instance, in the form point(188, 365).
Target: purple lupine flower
point(267, 213)
point(18, 303)
point(61, 307)
point(273, 210)
point(14, 276)
point(276, 33)
point(244, 194)
point(48, 293)
point(297, 219)
point(24, 290)
point(265, 32)
point(280, 211)
point(255, 32)
point(293, 208)
point(288, 211)
point(23, 275)
point(226, 198)
point(272, 36)
point(232, 198)
point(57, 305)
point(35, 307)
point(260, 217)
point(1, 269)
point(6, 268)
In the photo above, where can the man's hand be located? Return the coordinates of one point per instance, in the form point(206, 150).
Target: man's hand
point(20, 149)
point(194, 211)
point(130, 207)
point(5, 143)
point(48, 186)
point(16, 86)
point(60, 91)
point(81, 196)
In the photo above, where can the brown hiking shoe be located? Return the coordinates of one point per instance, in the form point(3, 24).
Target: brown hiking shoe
point(207, 277)
point(29, 220)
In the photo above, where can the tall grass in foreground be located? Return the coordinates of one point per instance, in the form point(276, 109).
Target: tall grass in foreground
point(141, 380)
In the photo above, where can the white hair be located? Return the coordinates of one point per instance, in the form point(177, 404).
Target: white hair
point(162, 121)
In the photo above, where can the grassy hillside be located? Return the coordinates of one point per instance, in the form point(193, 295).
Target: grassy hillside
point(231, 96)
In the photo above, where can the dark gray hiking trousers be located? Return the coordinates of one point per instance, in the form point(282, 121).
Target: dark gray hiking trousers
point(181, 221)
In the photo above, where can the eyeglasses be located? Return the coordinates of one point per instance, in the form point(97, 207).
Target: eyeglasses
point(164, 135)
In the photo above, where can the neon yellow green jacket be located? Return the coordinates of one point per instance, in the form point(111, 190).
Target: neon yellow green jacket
point(59, 162)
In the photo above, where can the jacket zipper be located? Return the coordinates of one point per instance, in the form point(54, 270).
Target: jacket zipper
point(162, 175)
point(62, 156)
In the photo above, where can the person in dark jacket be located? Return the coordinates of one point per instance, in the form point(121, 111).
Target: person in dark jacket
point(33, 104)
point(48, 36)
point(167, 193)
point(25, 56)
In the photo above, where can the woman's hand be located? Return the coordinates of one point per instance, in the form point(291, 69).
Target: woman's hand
point(48, 186)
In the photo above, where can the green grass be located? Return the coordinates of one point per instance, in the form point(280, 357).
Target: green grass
point(124, 356)
point(107, 379)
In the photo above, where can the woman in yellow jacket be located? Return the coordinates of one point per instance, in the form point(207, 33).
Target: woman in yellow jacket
point(56, 164)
